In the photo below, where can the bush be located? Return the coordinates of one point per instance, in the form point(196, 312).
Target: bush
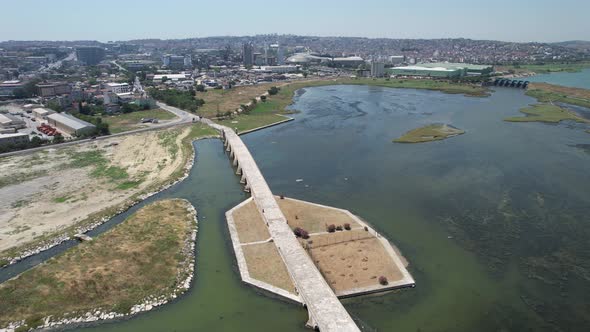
point(383, 280)
point(347, 226)
point(297, 231)
point(366, 229)
point(273, 91)
point(263, 98)
point(304, 234)
point(331, 228)
point(339, 227)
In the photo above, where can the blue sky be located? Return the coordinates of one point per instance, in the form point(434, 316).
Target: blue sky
point(105, 20)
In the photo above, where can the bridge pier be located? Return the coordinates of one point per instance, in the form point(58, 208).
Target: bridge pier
point(243, 179)
point(239, 170)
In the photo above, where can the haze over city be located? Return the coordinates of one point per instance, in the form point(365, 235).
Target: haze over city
point(293, 166)
point(111, 20)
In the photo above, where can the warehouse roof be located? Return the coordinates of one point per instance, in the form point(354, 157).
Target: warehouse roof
point(451, 65)
point(70, 121)
point(426, 68)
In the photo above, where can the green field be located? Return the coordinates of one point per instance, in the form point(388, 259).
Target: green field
point(548, 93)
point(129, 121)
point(143, 256)
point(545, 68)
point(546, 113)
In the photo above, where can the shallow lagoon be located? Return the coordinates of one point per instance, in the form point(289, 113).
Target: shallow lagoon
point(476, 215)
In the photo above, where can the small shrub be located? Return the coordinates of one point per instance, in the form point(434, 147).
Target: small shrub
point(383, 280)
point(331, 228)
point(339, 227)
point(298, 231)
point(347, 226)
point(282, 197)
point(263, 98)
point(366, 229)
point(304, 234)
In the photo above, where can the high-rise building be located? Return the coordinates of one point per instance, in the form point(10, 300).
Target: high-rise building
point(90, 55)
point(247, 54)
point(280, 55)
point(377, 69)
point(177, 61)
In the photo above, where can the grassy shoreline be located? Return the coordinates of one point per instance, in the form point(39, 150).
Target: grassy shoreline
point(546, 113)
point(268, 112)
point(148, 256)
point(548, 93)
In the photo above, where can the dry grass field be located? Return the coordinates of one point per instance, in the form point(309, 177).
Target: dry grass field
point(145, 255)
point(312, 218)
point(249, 224)
point(265, 264)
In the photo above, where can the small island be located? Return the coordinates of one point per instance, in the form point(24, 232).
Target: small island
point(433, 132)
point(142, 263)
point(546, 113)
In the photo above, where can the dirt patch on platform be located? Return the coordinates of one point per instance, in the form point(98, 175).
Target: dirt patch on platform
point(354, 264)
point(313, 218)
point(249, 224)
point(265, 264)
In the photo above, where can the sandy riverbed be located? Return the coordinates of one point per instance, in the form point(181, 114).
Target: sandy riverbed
point(40, 194)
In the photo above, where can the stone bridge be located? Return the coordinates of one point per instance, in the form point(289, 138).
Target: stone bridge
point(326, 313)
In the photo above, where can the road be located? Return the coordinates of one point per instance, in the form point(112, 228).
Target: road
point(57, 64)
point(183, 117)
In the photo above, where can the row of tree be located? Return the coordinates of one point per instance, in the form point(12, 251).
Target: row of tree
point(181, 99)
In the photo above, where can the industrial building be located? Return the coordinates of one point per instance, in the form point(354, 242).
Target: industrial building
point(426, 71)
point(279, 69)
point(14, 139)
point(397, 59)
point(466, 68)
point(70, 125)
point(42, 113)
point(90, 55)
point(10, 121)
point(446, 70)
point(377, 69)
point(53, 89)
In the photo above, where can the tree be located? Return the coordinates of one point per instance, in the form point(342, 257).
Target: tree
point(200, 88)
point(263, 98)
point(58, 138)
point(304, 74)
point(273, 91)
point(164, 79)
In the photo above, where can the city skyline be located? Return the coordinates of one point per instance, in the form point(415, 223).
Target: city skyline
point(114, 21)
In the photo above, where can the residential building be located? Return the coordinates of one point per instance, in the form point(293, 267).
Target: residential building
point(7, 88)
point(13, 139)
point(53, 89)
point(247, 54)
point(70, 125)
point(118, 87)
point(90, 55)
point(177, 61)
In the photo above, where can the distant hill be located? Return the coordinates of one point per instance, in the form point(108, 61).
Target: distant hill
point(577, 44)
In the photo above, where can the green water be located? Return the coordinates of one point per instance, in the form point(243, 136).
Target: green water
point(217, 301)
point(493, 222)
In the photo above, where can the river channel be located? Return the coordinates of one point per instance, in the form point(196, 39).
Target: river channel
point(494, 222)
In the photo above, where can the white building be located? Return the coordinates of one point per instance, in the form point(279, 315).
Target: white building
point(16, 138)
point(171, 77)
point(279, 69)
point(397, 59)
point(42, 113)
point(10, 121)
point(118, 87)
point(69, 124)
